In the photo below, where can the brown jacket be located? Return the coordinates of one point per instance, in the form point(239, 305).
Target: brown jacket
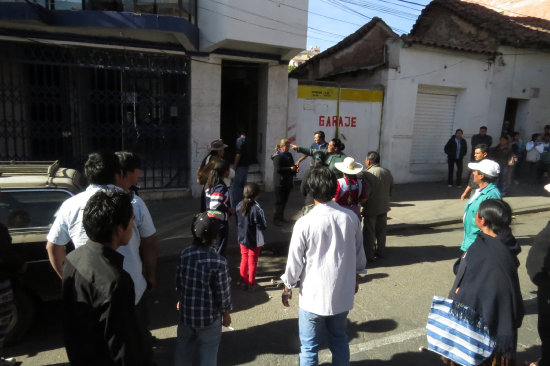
point(381, 181)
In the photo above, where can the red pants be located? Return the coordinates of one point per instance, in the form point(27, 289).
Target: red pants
point(249, 264)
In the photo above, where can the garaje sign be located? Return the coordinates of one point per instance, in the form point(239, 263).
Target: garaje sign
point(344, 121)
point(354, 113)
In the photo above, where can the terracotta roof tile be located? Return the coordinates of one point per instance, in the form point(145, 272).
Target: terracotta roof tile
point(349, 40)
point(515, 31)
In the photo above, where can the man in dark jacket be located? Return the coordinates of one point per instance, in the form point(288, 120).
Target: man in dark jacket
point(100, 322)
point(455, 149)
point(481, 138)
point(538, 268)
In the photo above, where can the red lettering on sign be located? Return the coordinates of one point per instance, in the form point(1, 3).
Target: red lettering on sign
point(340, 121)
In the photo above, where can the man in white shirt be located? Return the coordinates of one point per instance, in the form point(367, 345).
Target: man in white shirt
point(140, 255)
point(325, 259)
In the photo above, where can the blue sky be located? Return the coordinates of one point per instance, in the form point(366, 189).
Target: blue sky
point(330, 21)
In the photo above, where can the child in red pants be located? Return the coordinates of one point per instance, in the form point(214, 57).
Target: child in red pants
point(250, 225)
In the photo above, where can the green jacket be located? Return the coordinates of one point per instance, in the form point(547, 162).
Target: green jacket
point(328, 159)
point(470, 228)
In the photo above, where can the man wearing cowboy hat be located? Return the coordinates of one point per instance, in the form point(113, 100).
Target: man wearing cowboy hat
point(350, 190)
point(375, 211)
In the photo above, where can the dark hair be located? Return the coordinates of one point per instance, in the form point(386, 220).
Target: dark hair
point(217, 173)
point(484, 148)
point(321, 183)
point(129, 161)
point(318, 157)
point(458, 129)
point(338, 144)
point(534, 136)
point(482, 128)
point(101, 167)
point(320, 133)
point(250, 191)
point(104, 212)
point(210, 154)
point(497, 214)
point(5, 238)
point(373, 157)
point(204, 229)
point(487, 178)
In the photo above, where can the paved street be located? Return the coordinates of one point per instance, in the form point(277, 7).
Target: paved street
point(386, 325)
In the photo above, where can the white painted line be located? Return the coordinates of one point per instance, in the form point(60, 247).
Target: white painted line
point(325, 355)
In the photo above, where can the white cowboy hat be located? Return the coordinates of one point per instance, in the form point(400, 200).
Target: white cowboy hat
point(349, 166)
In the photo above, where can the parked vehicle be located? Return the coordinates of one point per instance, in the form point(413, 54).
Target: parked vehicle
point(30, 195)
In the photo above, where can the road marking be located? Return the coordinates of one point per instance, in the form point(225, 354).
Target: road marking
point(326, 355)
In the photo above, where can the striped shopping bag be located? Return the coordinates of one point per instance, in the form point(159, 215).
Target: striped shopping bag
point(458, 333)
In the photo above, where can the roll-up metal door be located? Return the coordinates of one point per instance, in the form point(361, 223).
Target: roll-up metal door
point(433, 126)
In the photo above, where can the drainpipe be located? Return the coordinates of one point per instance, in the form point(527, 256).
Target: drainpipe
point(338, 111)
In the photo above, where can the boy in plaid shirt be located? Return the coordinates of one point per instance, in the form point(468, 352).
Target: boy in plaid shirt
point(203, 286)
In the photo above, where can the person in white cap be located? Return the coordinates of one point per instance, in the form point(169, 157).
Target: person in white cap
point(350, 191)
point(484, 173)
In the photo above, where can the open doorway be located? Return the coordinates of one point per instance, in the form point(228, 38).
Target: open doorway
point(239, 105)
point(515, 116)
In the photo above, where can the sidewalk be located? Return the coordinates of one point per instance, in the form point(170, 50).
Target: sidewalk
point(414, 204)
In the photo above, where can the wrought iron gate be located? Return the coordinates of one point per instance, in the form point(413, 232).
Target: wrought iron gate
point(61, 103)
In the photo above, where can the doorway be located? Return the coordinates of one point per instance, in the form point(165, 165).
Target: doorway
point(239, 105)
point(515, 116)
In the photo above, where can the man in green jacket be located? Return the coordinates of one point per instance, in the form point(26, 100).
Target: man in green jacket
point(484, 173)
point(332, 155)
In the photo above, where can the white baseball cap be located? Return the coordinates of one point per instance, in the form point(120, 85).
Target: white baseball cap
point(487, 167)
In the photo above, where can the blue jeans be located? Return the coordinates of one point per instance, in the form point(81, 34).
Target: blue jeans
point(312, 327)
point(237, 186)
point(207, 340)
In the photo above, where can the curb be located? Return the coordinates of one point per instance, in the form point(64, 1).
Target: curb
point(449, 221)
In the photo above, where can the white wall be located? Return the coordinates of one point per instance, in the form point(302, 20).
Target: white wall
point(206, 75)
point(277, 109)
point(481, 91)
point(482, 88)
point(521, 74)
point(255, 25)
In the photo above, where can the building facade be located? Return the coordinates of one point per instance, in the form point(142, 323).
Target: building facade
point(162, 79)
point(462, 66)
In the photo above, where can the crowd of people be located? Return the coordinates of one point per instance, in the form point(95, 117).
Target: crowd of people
point(520, 162)
point(107, 278)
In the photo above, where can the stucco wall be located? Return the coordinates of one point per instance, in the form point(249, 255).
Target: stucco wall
point(205, 111)
point(482, 90)
point(277, 107)
point(259, 25)
point(522, 74)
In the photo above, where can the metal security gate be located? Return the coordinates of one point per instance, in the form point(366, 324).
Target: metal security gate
point(433, 126)
point(61, 103)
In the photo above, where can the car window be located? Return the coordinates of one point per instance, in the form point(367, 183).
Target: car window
point(30, 208)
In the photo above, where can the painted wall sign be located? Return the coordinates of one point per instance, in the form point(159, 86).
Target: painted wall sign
point(316, 108)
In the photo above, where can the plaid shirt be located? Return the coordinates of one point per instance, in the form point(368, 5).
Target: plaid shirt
point(203, 286)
